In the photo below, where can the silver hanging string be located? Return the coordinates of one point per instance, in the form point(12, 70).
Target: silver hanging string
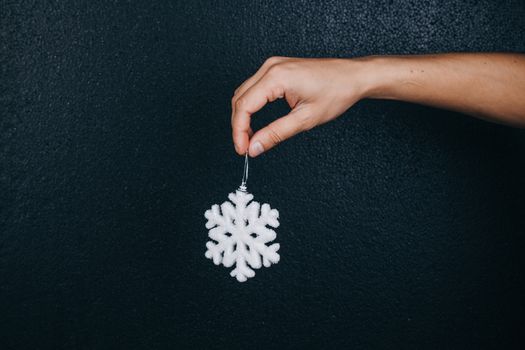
point(243, 187)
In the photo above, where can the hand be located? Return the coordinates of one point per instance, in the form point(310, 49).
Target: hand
point(490, 86)
point(317, 91)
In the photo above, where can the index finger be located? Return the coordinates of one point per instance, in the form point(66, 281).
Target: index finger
point(256, 97)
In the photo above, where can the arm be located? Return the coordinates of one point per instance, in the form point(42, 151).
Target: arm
point(487, 86)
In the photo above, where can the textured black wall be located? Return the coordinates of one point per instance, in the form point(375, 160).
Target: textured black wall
point(401, 226)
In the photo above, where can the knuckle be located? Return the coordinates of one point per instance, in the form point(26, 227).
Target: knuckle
point(240, 103)
point(275, 71)
point(276, 93)
point(272, 60)
point(274, 136)
point(282, 70)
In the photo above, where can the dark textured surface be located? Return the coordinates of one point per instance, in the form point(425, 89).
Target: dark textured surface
point(402, 226)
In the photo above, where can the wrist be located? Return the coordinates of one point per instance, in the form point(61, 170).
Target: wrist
point(379, 75)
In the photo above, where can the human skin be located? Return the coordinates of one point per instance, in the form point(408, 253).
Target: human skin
point(489, 86)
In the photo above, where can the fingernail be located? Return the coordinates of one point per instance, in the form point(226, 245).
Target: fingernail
point(256, 148)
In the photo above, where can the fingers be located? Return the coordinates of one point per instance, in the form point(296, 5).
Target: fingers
point(254, 78)
point(239, 133)
point(267, 89)
point(290, 125)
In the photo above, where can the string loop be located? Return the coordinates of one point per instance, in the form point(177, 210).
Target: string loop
point(243, 186)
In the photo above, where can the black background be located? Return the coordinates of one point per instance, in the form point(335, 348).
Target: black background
point(401, 226)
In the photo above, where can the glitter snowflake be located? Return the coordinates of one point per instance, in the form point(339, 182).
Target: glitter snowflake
point(240, 235)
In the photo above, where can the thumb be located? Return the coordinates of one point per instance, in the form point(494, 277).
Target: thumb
point(278, 131)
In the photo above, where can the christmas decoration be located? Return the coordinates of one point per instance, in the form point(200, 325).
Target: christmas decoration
point(240, 231)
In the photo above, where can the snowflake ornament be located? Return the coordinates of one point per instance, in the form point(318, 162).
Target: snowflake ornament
point(241, 231)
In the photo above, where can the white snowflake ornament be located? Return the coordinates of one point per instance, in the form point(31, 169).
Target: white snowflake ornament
point(240, 231)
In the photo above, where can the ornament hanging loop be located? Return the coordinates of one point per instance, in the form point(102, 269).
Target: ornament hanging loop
point(243, 187)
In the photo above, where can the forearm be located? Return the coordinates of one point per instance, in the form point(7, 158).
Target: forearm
point(488, 86)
